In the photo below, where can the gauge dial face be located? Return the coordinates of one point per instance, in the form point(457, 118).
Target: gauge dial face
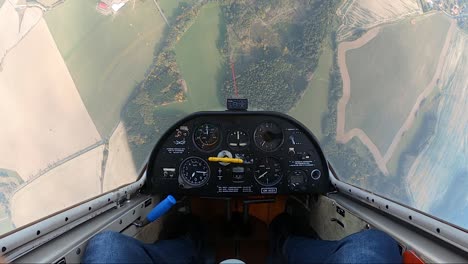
point(238, 140)
point(268, 136)
point(194, 171)
point(268, 172)
point(315, 174)
point(297, 179)
point(207, 137)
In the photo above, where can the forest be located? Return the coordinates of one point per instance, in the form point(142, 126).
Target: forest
point(353, 162)
point(274, 47)
point(162, 85)
point(273, 70)
point(273, 75)
point(274, 52)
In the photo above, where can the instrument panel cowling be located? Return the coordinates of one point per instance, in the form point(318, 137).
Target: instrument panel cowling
point(262, 153)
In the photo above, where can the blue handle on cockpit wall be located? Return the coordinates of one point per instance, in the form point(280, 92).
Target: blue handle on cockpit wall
point(161, 208)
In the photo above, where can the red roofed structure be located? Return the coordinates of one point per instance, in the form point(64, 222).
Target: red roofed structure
point(103, 5)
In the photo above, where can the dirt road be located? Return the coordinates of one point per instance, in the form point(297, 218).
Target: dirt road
point(427, 90)
point(42, 115)
point(366, 14)
point(64, 186)
point(120, 167)
point(341, 135)
point(344, 136)
point(13, 29)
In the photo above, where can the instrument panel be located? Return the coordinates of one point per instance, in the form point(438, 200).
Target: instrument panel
point(237, 153)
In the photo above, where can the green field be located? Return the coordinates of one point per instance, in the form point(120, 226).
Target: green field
point(408, 146)
point(169, 7)
point(106, 55)
point(200, 64)
point(388, 74)
point(314, 103)
point(5, 223)
point(200, 61)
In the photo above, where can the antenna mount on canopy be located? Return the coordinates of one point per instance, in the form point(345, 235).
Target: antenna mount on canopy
point(237, 104)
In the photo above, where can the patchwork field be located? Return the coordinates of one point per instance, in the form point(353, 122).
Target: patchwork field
point(382, 105)
point(47, 2)
point(120, 168)
point(437, 179)
point(365, 14)
point(106, 55)
point(12, 28)
point(169, 7)
point(416, 137)
point(200, 61)
point(43, 115)
point(64, 186)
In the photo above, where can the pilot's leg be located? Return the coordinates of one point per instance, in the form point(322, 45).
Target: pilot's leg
point(113, 247)
point(370, 246)
point(293, 241)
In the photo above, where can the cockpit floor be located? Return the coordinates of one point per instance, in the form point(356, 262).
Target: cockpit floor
point(237, 238)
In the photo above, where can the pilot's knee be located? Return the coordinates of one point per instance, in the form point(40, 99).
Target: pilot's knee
point(375, 238)
point(106, 239)
point(380, 236)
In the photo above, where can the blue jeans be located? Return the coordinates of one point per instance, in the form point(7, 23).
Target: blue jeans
point(371, 246)
point(113, 247)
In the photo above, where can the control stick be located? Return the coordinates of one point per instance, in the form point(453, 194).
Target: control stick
point(157, 211)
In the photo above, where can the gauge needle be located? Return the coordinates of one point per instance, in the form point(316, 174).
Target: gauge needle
point(193, 175)
point(292, 140)
point(203, 172)
point(263, 175)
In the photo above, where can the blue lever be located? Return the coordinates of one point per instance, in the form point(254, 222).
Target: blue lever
point(161, 208)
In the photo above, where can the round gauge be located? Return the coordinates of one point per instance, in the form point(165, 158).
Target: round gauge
point(207, 137)
point(268, 172)
point(297, 180)
point(238, 140)
point(268, 136)
point(315, 174)
point(194, 171)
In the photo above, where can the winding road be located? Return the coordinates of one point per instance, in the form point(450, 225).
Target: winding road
point(343, 136)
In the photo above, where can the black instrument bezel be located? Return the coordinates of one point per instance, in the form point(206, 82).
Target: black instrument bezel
point(267, 114)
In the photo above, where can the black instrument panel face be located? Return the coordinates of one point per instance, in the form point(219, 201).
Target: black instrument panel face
point(272, 154)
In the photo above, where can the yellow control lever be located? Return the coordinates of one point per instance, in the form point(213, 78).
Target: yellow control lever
point(226, 160)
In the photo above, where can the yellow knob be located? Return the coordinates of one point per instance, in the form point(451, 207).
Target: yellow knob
point(226, 160)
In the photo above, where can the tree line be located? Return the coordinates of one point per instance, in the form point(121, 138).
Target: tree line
point(273, 77)
point(144, 121)
point(353, 161)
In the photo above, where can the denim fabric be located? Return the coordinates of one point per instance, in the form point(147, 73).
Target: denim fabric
point(371, 246)
point(113, 247)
